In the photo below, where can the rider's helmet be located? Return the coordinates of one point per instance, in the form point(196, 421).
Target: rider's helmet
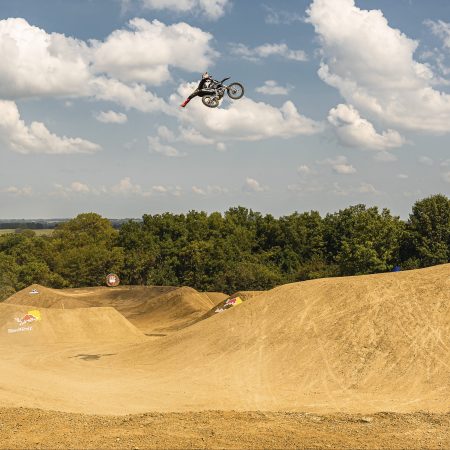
point(205, 76)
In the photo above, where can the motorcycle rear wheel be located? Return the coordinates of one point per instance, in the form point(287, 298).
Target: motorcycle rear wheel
point(210, 102)
point(235, 91)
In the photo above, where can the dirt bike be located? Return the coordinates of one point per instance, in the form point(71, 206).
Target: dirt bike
point(214, 92)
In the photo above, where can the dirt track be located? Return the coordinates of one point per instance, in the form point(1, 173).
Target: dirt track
point(32, 429)
point(345, 346)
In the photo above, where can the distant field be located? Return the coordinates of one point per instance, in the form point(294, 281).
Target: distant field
point(44, 232)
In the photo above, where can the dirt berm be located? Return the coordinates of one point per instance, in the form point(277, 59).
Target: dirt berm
point(153, 309)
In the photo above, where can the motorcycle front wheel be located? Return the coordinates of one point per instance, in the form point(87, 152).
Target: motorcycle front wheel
point(210, 102)
point(235, 91)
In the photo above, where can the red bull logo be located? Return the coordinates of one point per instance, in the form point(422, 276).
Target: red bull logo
point(30, 317)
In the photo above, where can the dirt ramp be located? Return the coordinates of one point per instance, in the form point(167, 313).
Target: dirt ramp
point(378, 342)
point(216, 297)
point(170, 312)
point(247, 295)
point(36, 326)
point(43, 297)
point(153, 309)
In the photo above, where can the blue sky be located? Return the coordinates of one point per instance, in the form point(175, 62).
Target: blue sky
point(346, 102)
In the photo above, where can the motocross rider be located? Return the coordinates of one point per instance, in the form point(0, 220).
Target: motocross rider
point(206, 79)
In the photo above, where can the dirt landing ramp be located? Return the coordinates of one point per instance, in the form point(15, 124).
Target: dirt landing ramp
point(22, 325)
point(378, 342)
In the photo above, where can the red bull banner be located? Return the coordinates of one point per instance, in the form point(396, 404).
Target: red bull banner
point(24, 322)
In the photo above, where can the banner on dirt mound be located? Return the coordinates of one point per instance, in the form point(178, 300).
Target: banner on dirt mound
point(25, 321)
point(229, 304)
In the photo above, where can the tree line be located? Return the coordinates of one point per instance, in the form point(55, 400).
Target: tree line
point(237, 250)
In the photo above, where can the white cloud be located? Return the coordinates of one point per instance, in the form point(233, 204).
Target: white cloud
point(304, 170)
point(281, 17)
point(74, 188)
point(209, 190)
point(354, 131)
point(221, 147)
point(130, 96)
point(36, 138)
point(212, 9)
point(266, 51)
point(116, 69)
point(252, 185)
point(372, 66)
point(35, 63)
point(144, 52)
point(440, 29)
point(77, 186)
point(193, 136)
point(426, 161)
point(245, 119)
point(271, 87)
point(402, 176)
point(363, 188)
point(126, 186)
point(156, 146)
point(111, 117)
point(339, 165)
point(175, 191)
point(18, 191)
point(445, 163)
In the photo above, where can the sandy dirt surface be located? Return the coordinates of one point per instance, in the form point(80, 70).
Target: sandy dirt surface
point(35, 429)
point(337, 349)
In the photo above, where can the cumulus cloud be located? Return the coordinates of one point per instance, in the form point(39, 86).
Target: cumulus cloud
point(36, 138)
point(77, 186)
point(373, 67)
point(18, 191)
point(212, 9)
point(354, 131)
point(156, 146)
point(144, 52)
point(126, 186)
point(36, 63)
point(271, 87)
point(252, 185)
point(209, 190)
point(111, 117)
point(245, 119)
point(267, 50)
point(118, 69)
point(339, 165)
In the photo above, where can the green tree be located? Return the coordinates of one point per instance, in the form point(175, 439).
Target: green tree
point(429, 231)
point(87, 250)
point(362, 240)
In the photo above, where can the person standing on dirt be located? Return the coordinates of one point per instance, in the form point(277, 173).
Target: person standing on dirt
point(205, 81)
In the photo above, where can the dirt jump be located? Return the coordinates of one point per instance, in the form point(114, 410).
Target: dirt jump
point(341, 350)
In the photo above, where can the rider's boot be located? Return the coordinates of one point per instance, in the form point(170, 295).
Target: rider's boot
point(185, 102)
